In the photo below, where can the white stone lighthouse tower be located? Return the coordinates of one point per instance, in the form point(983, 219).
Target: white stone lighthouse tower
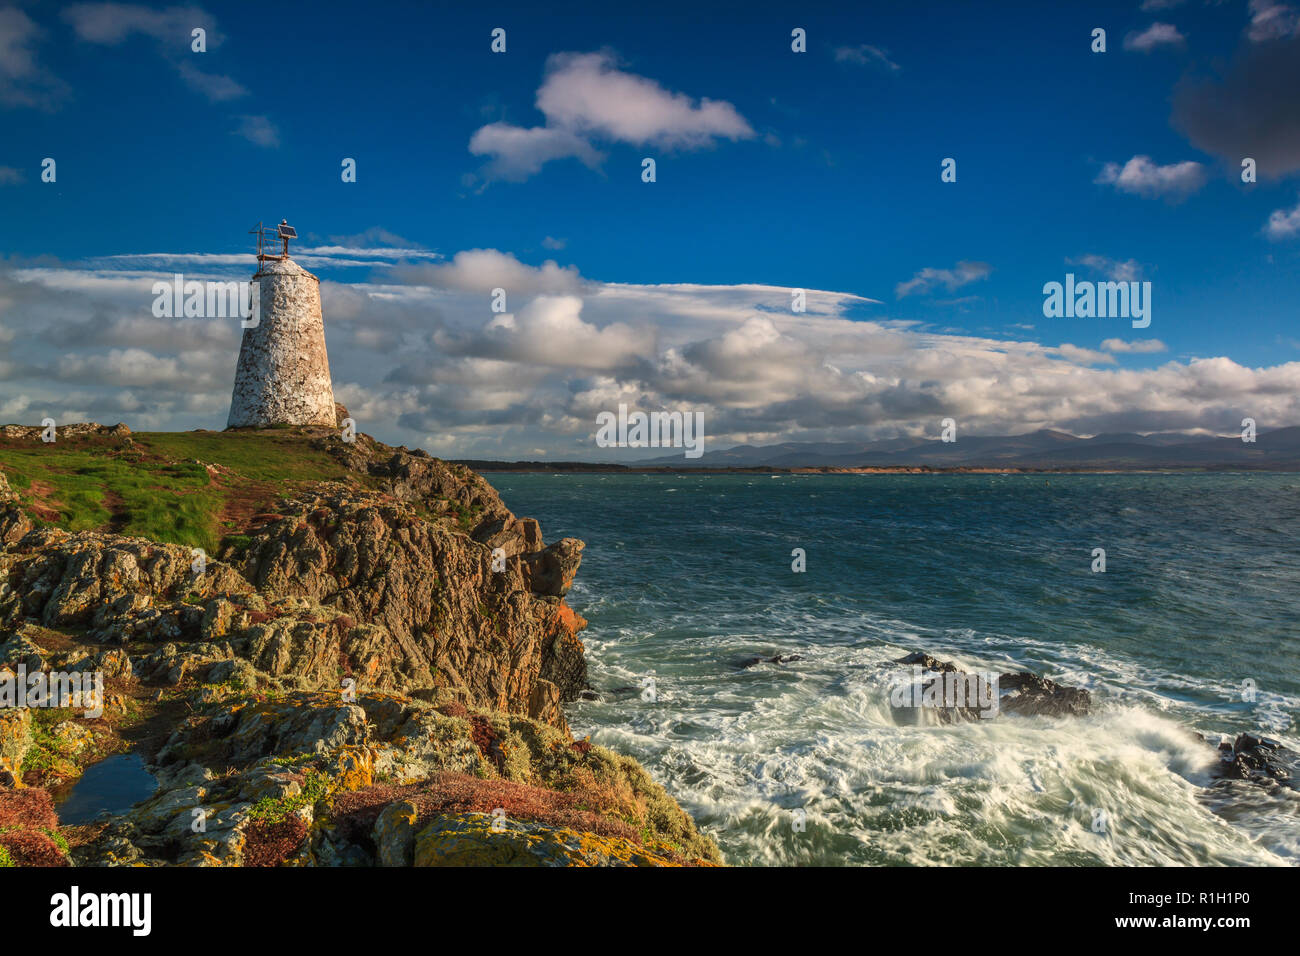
point(283, 376)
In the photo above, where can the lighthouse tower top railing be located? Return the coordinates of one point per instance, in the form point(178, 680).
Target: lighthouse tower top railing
point(284, 232)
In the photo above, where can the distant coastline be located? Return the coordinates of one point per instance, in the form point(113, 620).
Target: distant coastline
point(1045, 451)
point(587, 467)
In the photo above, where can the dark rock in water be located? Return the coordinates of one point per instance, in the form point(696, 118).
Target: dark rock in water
point(589, 695)
point(1257, 759)
point(627, 692)
point(1023, 693)
point(778, 659)
point(926, 661)
point(1033, 695)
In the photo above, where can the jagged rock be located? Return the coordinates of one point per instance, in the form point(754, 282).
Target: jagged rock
point(749, 662)
point(1022, 693)
point(109, 582)
point(75, 430)
point(15, 741)
point(552, 570)
point(172, 663)
point(926, 662)
point(115, 663)
point(398, 595)
point(438, 485)
point(268, 781)
point(317, 654)
point(14, 525)
point(450, 620)
point(159, 813)
point(1257, 759)
point(221, 616)
point(340, 414)
point(264, 730)
point(73, 738)
point(430, 764)
point(456, 667)
point(223, 839)
point(513, 536)
point(395, 833)
point(1033, 695)
point(21, 649)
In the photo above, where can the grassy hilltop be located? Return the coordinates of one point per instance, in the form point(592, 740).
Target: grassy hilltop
point(202, 489)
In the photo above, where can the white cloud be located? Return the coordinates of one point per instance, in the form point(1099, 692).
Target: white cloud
point(1138, 347)
point(865, 55)
point(1142, 177)
point(215, 86)
point(110, 24)
point(425, 362)
point(518, 153)
point(332, 257)
point(930, 278)
point(137, 367)
point(367, 252)
point(23, 80)
point(1271, 20)
point(549, 330)
point(1283, 223)
point(482, 270)
point(1127, 270)
point(1082, 356)
point(587, 98)
point(258, 130)
point(1156, 35)
point(586, 92)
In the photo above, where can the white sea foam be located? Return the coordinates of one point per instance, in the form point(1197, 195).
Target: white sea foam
point(745, 749)
point(1199, 597)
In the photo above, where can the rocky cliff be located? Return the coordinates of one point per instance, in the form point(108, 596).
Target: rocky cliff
point(369, 665)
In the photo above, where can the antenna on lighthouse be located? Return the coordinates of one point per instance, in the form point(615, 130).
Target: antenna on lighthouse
point(284, 232)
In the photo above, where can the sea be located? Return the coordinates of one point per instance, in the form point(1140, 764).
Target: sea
point(1190, 628)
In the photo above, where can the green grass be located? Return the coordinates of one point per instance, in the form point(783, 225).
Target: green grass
point(315, 788)
point(156, 488)
point(273, 455)
point(59, 840)
point(46, 752)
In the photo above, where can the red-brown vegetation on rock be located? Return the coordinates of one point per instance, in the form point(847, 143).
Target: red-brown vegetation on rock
point(32, 848)
point(27, 808)
point(448, 793)
point(270, 844)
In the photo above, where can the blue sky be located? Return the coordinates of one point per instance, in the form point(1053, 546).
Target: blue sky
point(775, 170)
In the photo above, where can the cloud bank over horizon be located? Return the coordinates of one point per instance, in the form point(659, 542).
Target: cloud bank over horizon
point(420, 358)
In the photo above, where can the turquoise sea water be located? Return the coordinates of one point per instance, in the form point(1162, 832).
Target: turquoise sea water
point(684, 577)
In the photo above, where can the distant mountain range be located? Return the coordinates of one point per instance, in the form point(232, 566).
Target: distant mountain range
point(1277, 449)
